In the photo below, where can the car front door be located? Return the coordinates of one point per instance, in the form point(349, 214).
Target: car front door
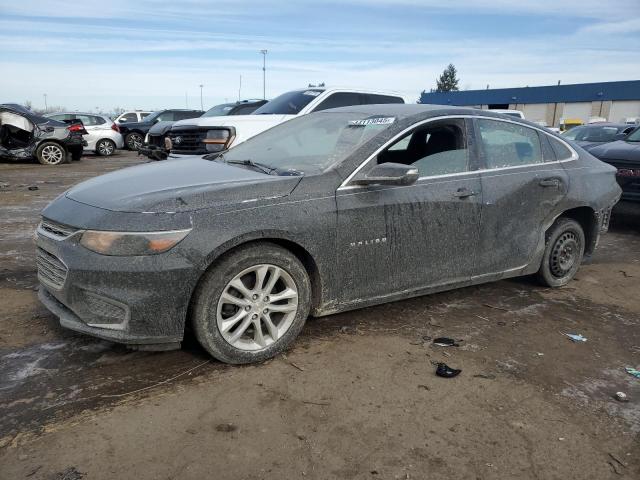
point(402, 239)
point(522, 183)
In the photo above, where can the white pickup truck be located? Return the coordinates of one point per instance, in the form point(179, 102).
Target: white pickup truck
point(198, 136)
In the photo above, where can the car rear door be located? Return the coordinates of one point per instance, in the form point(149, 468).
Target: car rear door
point(522, 183)
point(401, 239)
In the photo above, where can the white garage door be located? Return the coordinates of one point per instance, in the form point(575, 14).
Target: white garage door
point(581, 110)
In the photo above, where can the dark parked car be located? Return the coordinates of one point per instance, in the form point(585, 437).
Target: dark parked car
point(24, 135)
point(135, 132)
point(155, 142)
point(327, 212)
point(594, 134)
point(625, 156)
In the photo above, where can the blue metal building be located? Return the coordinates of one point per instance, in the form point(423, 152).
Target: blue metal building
point(614, 101)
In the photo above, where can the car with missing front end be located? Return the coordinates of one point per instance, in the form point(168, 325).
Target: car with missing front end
point(328, 212)
point(25, 135)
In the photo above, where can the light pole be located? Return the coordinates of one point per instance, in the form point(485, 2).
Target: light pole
point(201, 105)
point(46, 109)
point(264, 74)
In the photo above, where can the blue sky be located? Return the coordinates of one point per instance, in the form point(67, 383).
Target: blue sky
point(145, 54)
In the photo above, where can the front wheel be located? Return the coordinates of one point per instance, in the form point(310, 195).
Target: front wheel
point(105, 147)
point(563, 253)
point(252, 304)
point(134, 141)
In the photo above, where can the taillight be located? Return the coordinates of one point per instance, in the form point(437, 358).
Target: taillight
point(115, 127)
point(76, 127)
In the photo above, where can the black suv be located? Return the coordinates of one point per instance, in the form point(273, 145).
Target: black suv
point(134, 132)
point(25, 135)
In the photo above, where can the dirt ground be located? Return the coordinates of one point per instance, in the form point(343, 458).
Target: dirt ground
point(355, 398)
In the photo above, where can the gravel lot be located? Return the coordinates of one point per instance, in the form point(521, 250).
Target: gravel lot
point(355, 398)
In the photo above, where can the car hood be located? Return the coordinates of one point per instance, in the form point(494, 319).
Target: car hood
point(161, 128)
point(181, 185)
point(619, 150)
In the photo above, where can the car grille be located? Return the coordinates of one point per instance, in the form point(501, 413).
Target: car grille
point(156, 140)
point(188, 141)
point(51, 270)
point(56, 229)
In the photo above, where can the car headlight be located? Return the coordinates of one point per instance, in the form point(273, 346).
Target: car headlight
point(131, 243)
point(217, 140)
point(146, 138)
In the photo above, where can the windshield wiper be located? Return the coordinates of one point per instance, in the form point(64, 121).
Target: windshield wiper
point(255, 165)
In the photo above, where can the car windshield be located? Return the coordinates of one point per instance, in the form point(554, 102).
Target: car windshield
point(311, 143)
point(592, 134)
point(289, 103)
point(634, 136)
point(219, 110)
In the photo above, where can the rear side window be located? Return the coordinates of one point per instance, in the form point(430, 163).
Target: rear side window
point(340, 99)
point(562, 151)
point(129, 117)
point(508, 144)
point(371, 99)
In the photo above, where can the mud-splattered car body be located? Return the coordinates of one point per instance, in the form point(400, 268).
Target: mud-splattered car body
point(362, 242)
point(22, 131)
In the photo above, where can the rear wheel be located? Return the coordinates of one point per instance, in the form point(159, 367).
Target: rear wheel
point(105, 147)
point(252, 304)
point(51, 153)
point(563, 253)
point(133, 140)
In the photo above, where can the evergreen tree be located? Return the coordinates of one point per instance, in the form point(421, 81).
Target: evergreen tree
point(448, 81)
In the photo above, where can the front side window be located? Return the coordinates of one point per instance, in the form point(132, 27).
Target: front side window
point(437, 148)
point(340, 99)
point(508, 144)
point(164, 117)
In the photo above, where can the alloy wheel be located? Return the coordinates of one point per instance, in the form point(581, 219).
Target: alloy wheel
point(257, 307)
point(105, 148)
point(135, 141)
point(52, 154)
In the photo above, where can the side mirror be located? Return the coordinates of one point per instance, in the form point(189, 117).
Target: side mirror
point(388, 174)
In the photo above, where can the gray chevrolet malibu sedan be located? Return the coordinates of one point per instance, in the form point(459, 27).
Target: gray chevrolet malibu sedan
point(328, 212)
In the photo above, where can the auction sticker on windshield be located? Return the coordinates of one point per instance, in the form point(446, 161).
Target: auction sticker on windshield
point(372, 121)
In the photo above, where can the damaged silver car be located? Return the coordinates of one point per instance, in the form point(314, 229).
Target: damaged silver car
point(25, 135)
point(328, 212)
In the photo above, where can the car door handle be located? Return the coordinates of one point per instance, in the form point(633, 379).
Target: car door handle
point(464, 193)
point(550, 182)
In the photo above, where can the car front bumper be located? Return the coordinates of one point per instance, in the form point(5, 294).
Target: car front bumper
point(140, 300)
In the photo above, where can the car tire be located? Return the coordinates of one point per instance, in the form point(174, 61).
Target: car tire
point(134, 140)
point(252, 327)
point(563, 253)
point(105, 147)
point(51, 153)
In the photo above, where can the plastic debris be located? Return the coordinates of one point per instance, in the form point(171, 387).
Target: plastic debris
point(445, 342)
point(621, 397)
point(633, 371)
point(445, 371)
point(32, 187)
point(576, 337)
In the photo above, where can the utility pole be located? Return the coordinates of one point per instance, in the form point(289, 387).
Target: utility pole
point(46, 109)
point(264, 74)
point(240, 89)
point(201, 105)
